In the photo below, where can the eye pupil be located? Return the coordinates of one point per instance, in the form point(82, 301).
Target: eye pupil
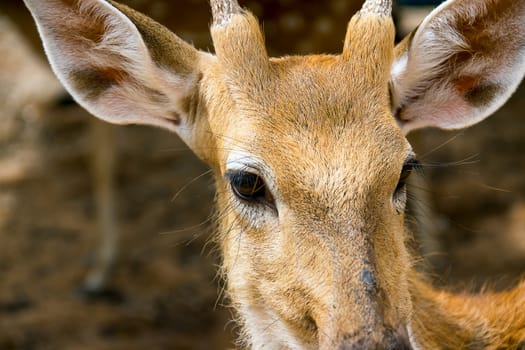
point(248, 186)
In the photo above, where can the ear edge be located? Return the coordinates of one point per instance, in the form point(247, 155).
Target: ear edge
point(157, 37)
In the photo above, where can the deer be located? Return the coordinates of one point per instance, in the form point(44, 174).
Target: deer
point(310, 157)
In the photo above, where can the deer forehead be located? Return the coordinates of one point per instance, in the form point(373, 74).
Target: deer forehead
point(315, 129)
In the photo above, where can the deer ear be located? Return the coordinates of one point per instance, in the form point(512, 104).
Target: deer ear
point(461, 64)
point(119, 64)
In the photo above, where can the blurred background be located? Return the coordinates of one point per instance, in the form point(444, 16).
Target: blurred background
point(164, 292)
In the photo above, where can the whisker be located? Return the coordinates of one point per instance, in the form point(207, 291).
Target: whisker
point(188, 184)
point(189, 228)
point(493, 188)
point(451, 139)
point(470, 160)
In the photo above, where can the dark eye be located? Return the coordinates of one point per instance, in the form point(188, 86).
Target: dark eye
point(407, 169)
point(249, 187)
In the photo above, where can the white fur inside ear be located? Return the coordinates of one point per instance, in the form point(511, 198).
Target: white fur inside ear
point(99, 55)
point(120, 37)
point(412, 71)
point(399, 66)
point(442, 81)
point(119, 46)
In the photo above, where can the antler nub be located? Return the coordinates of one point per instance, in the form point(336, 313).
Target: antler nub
point(223, 10)
point(370, 36)
point(377, 7)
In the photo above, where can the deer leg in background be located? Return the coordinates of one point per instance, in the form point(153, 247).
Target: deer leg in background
point(103, 164)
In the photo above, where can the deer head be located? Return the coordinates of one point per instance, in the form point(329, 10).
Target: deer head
point(309, 153)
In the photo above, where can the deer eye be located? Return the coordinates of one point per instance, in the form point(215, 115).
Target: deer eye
point(406, 171)
point(249, 187)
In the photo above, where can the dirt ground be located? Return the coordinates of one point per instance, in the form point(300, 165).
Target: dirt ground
point(165, 293)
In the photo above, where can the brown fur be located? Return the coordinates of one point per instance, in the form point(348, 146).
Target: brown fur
point(462, 321)
point(325, 264)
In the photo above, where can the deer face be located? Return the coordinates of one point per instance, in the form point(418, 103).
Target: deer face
point(309, 153)
point(311, 200)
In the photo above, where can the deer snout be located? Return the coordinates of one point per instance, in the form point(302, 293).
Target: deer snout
point(380, 338)
point(390, 340)
point(362, 317)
